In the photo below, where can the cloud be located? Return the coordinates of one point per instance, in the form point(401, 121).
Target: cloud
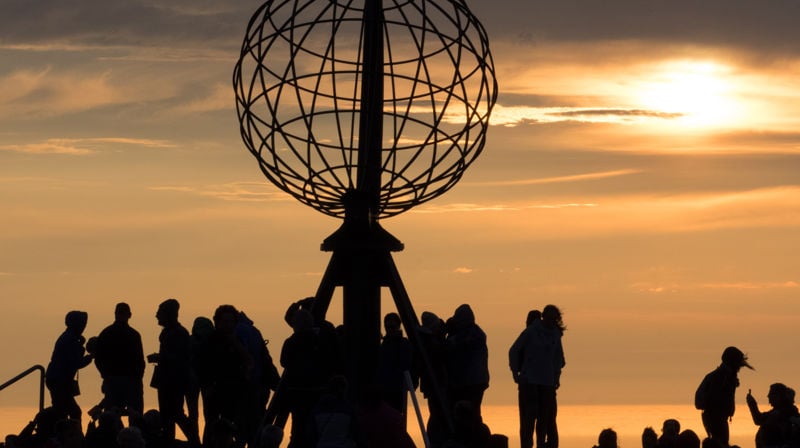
point(558, 179)
point(82, 146)
point(122, 22)
point(221, 97)
point(47, 92)
point(516, 115)
point(470, 208)
point(462, 270)
point(606, 215)
point(234, 191)
point(752, 285)
point(674, 287)
point(746, 24)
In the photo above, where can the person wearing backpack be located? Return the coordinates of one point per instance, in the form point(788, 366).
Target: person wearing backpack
point(716, 395)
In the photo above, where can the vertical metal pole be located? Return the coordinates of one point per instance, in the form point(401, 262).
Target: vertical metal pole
point(370, 131)
point(362, 288)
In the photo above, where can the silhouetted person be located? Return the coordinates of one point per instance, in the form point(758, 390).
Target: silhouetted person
point(268, 436)
point(774, 425)
point(69, 434)
point(717, 393)
point(532, 316)
point(333, 420)
point(308, 364)
point(395, 358)
point(381, 425)
point(69, 356)
point(607, 439)
point(264, 377)
point(38, 431)
point(201, 383)
point(687, 439)
point(329, 334)
point(130, 437)
point(231, 370)
point(649, 438)
point(469, 429)
point(103, 432)
point(172, 374)
point(120, 359)
point(670, 430)
point(432, 333)
point(536, 359)
point(467, 358)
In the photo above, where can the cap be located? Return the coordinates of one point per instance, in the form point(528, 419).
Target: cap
point(735, 357)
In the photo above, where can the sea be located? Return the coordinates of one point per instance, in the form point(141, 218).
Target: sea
point(578, 425)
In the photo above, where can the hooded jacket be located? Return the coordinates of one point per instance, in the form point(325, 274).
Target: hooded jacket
point(537, 356)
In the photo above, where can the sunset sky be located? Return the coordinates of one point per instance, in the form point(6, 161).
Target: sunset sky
point(642, 172)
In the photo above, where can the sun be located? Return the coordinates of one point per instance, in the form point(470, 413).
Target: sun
point(696, 94)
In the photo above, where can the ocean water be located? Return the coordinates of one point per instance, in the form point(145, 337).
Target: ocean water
point(578, 425)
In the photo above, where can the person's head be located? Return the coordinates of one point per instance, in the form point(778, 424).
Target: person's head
point(76, 321)
point(708, 442)
point(391, 322)
point(202, 328)
point(431, 323)
point(122, 312)
point(687, 439)
point(671, 427)
point(130, 437)
point(463, 317)
point(167, 313)
point(649, 438)
point(735, 359)
point(302, 321)
point(551, 316)
point(225, 318)
point(69, 433)
point(532, 316)
point(269, 436)
point(607, 439)
point(305, 304)
point(778, 395)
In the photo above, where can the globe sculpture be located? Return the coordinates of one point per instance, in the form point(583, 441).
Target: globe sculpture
point(363, 109)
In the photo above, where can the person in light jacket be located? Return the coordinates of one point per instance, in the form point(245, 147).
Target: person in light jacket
point(536, 359)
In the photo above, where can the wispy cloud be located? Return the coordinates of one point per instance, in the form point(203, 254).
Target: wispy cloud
point(469, 207)
point(49, 92)
point(221, 97)
point(463, 270)
point(517, 115)
point(752, 285)
point(558, 179)
point(674, 287)
point(234, 191)
point(82, 146)
point(765, 208)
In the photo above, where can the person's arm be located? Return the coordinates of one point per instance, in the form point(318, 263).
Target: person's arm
point(758, 416)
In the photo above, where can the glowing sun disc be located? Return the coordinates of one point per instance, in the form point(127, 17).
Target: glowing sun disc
point(698, 91)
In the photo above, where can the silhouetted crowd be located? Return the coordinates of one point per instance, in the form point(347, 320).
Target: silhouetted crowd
point(224, 363)
point(778, 427)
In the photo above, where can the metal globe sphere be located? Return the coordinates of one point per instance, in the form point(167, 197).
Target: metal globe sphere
point(298, 96)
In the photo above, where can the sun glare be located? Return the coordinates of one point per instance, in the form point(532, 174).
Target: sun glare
point(700, 93)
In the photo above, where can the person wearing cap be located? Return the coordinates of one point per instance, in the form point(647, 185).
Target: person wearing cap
point(119, 357)
point(69, 356)
point(716, 395)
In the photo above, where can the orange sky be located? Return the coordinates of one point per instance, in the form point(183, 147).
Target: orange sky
point(641, 173)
